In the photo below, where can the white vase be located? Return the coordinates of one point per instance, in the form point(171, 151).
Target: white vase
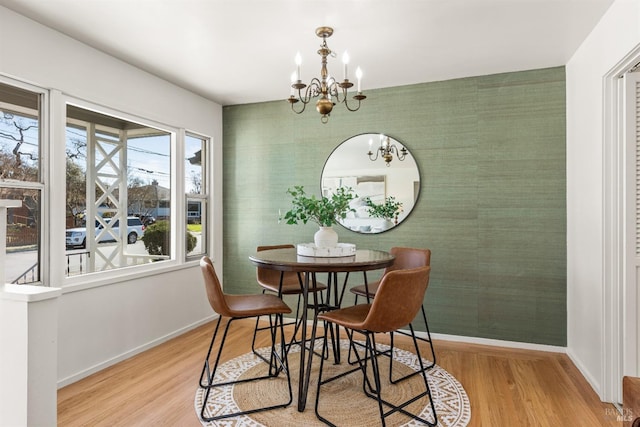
point(326, 237)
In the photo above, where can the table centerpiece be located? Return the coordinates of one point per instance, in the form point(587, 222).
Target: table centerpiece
point(324, 211)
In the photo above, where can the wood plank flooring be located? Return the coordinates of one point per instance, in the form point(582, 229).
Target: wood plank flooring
point(506, 387)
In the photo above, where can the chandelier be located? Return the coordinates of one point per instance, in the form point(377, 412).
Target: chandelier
point(386, 150)
point(326, 88)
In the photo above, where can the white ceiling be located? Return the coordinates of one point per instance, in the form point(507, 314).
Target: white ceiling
point(242, 51)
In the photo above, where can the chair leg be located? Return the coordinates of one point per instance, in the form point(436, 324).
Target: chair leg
point(297, 322)
point(401, 407)
point(255, 333)
point(205, 367)
point(350, 361)
point(315, 306)
point(372, 387)
point(321, 381)
point(278, 362)
point(377, 388)
point(352, 348)
point(257, 328)
point(414, 337)
point(337, 302)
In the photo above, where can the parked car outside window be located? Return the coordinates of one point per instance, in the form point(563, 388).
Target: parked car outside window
point(77, 237)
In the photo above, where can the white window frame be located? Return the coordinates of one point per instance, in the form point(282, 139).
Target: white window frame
point(52, 260)
point(41, 184)
point(204, 196)
point(178, 235)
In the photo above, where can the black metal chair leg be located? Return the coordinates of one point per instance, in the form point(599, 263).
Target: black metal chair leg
point(278, 363)
point(401, 407)
point(414, 337)
point(372, 355)
point(391, 347)
point(321, 382)
point(205, 367)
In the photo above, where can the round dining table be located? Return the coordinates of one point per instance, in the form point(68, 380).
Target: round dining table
point(288, 260)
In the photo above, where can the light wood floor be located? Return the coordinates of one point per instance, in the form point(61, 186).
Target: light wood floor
point(506, 387)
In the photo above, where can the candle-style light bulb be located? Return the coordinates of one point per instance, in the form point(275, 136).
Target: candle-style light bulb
point(298, 64)
point(359, 77)
point(345, 61)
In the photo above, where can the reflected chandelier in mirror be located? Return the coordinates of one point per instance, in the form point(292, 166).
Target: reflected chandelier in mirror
point(386, 150)
point(387, 190)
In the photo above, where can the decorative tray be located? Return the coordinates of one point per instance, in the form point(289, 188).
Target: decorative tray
point(341, 250)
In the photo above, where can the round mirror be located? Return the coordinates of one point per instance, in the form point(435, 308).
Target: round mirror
point(383, 174)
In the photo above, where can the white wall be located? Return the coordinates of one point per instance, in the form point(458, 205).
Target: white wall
point(104, 325)
point(101, 325)
point(617, 34)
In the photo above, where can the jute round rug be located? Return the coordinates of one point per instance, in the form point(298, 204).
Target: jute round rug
point(342, 401)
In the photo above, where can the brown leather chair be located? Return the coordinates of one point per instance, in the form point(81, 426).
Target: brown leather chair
point(406, 258)
point(631, 401)
point(281, 283)
point(398, 298)
point(241, 307)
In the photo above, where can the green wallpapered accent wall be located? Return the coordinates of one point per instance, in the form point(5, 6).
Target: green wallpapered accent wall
point(491, 151)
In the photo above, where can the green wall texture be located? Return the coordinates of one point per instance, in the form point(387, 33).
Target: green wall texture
point(491, 153)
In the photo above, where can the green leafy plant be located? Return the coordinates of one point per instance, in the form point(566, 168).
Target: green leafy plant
point(388, 210)
point(192, 241)
point(157, 240)
point(325, 211)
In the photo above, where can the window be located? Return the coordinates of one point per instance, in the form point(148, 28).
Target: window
point(21, 179)
point(196, 194)
point(118, 171)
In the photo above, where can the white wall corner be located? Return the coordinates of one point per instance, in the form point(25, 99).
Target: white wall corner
point(29, 356)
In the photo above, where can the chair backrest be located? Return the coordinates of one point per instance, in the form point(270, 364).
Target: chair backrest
point(407, 258)
point(398, 299)
point(213, 287)
point(266, 275)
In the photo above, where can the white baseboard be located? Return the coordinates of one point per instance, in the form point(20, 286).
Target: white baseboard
point(595, 385)
point(487, 341)
point(100, 366)
point(497, 343)
point(519, 345)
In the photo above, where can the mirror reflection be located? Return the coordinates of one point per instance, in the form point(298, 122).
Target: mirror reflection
point(384, 175)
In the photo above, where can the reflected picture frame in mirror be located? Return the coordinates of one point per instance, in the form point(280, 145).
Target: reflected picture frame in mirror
point(382, 172)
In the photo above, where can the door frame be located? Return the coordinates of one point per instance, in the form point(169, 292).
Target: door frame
point(619, 302)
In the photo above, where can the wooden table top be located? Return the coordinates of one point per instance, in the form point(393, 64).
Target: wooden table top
point(288, 260)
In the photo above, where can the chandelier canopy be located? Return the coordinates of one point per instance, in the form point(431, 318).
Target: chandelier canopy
point(386, 150)
point(326, 89)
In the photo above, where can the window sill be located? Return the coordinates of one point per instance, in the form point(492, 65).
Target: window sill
point(95, 280)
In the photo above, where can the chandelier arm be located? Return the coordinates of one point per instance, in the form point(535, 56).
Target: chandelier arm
point(373, 159)
point(311, 91)
point(346, 104)
point(401, 154)
point(304, 105)
point(335, 92)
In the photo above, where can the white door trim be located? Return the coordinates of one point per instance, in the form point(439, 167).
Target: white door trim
point(619, 274)
point(628, 133)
